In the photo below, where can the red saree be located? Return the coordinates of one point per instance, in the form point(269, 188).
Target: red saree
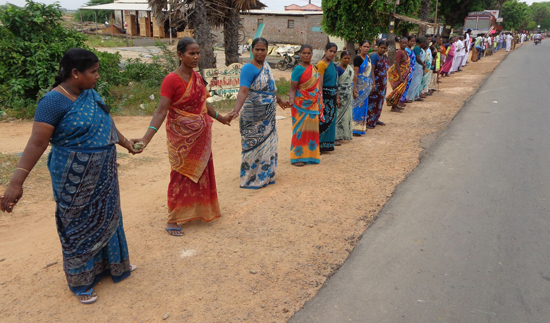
point(192, 193)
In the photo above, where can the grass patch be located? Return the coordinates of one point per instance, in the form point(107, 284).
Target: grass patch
point(107, 41)
point(283, 86)
point(8, 162)
point(134, 99)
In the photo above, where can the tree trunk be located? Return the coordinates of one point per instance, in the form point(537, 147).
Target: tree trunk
point(231, 36)
point(391, 49)
point(350, 47)
point(424, 16)
point(203, 35)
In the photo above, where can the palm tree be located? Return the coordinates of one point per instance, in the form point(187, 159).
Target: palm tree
point(201, 16)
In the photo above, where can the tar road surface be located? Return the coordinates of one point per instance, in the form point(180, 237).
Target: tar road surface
point(466, 238)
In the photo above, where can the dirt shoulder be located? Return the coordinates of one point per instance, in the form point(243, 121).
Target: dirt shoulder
point(271, 250)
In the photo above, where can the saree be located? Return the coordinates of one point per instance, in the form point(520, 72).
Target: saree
point(378, 93)
point(398, 87)
point(361, 103)
point(344, 129)
point(416, 80)
point(427, 77)
point(192, 193)
point(259, 132)
point(327, 125)
point(412, 57)
point(304, 146)
point(446, 68)
point(83, 169)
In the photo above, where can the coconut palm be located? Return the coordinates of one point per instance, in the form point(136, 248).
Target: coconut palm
point(201, 16)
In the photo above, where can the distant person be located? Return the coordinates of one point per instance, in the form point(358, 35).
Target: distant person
point(508, 39)
point(331, 100)
point(398, 74)
point(446, 69)
point(363, 81)
point(460, 51)
point(192, 193)
point(305, 100)
point(258, 100)
point(344, 128)
point(412, 57)
point(83, 167)
point(377, 97)
point(416, 81)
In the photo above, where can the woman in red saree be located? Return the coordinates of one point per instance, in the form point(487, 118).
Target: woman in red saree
point(192, 191)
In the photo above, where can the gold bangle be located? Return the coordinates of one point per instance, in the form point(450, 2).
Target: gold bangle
point(28, 171)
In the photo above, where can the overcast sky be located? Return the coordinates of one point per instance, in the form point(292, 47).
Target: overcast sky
point(74, 4)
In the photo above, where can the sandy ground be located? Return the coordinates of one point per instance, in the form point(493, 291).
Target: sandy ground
point(271, 250)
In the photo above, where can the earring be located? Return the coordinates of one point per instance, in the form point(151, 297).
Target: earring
point(76, 77)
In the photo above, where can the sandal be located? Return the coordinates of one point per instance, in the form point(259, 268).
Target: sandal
point(380, 123)
point(90, 300)
point(337, 143)
point(175, 232)
point(299, 164)
point(396, 109)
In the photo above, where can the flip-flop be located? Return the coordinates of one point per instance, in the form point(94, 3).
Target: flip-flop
point(169, 230)
point(90, 300)
point(133, 267)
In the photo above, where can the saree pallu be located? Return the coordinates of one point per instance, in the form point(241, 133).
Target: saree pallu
point(398, 87)
point(344, 129)
point(412, 59)
point(83, 169)
point(361, 103)
point(378, 93)
point(327, 127)
point(259, 132)
point(192, 193)
point(305, 119)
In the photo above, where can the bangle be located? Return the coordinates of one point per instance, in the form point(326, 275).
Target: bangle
point(28, 171)
point(216, 115)
point(151, 127)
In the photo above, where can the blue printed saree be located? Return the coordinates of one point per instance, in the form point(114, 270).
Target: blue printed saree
point(83, 168)
point(259, 132)
point(361, 103)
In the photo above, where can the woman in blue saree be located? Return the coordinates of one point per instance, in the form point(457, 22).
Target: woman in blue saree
point(258, 100)
point(363, 86)
point(82, 163)
point(412, 57)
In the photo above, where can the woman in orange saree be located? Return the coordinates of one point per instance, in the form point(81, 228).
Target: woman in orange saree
point(192, 193)
point(398, 75)
point(304, 98)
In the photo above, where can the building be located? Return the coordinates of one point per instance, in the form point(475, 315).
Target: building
point(284, 27)
point(307, 7)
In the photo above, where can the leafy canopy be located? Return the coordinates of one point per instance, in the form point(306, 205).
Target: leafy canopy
point(515, 14)
point(356, 20)
point(32, 42)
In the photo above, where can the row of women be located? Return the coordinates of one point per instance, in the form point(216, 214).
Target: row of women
point(415, 73)
point(329, 103)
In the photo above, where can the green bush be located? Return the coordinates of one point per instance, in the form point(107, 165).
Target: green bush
point(32, 42)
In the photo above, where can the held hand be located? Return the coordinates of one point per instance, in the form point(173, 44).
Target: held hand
point(355, 94)
point(226, 120)
point(338, 101)
point(134, 147)
point(10, 198)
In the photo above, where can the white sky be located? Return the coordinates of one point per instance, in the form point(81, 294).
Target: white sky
point(74, 4)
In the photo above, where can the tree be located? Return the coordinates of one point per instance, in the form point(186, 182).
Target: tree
point(90, 15)
point(539, 13)
point(515, 15)
point(356, 20)
point(32, 42)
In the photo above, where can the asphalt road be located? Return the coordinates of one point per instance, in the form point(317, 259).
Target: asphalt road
point(466, 238)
